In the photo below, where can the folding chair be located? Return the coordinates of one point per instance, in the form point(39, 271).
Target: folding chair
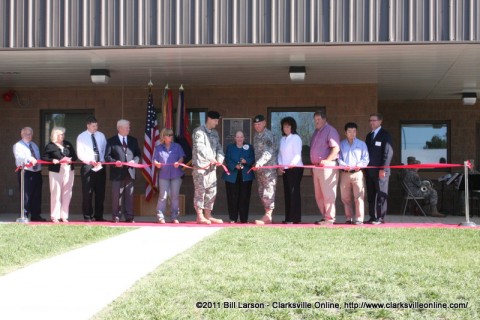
point(408, 195)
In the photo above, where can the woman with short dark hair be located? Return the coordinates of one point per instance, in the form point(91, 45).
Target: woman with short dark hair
point(290, 156)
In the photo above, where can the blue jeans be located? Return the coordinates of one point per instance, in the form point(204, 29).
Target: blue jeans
point(169, 188)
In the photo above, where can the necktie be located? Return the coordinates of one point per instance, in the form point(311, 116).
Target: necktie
point(95, 148)
point(124, 145)
point(30, 146)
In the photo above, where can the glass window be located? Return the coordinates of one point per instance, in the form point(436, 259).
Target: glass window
point(72, 120)
point(196, 117)
point(305, 125)
point(428, 142)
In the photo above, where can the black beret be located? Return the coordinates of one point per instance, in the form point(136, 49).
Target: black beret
point(213, 115)
point(258, 118)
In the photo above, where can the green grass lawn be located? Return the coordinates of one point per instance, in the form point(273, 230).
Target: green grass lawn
point(22, 244)
point(326, 266)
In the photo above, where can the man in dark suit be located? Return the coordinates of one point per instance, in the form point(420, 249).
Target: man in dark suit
point(379, 143)
point(122, 148)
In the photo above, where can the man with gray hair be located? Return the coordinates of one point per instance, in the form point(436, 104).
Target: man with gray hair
point(122, 148)
point(26, 152)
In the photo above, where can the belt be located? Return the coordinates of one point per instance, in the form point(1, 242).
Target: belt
point(350, 171)
point(38, 171)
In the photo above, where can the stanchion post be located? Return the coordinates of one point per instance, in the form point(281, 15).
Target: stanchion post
point(22, 197)
point(467, 222)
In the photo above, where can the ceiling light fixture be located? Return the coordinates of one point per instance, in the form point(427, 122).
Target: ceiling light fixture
point(100, 76)
point(297, 73)
point(469, 98)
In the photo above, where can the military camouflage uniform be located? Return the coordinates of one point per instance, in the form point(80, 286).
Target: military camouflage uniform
point(414, 183)
point(206, 147)
point(265, 148)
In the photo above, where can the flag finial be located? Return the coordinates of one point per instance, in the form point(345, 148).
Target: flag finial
point(150, 84)
point(181, 87)
point(166, 87)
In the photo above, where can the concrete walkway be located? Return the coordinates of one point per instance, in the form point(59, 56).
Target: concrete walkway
point(81, 282)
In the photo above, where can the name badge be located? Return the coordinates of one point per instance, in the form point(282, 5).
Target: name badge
point(378, 143)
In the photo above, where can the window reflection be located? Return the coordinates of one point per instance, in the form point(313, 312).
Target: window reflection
point(427, 142)
point(305, 125)
point(72, 120)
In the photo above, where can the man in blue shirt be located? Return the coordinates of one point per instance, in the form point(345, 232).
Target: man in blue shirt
point(27, 152)
point(353, 156)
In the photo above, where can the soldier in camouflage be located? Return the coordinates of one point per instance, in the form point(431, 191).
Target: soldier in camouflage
point(207, 155)
point(420, 188)
point(265, 155)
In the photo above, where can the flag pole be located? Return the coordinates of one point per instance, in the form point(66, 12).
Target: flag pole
point(150, 85)
point(151, 140)
point(22, 218)
point(467, 222)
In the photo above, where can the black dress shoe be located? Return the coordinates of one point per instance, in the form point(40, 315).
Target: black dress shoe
point(38, 219)
point(287, 222)
point(130, 221)
point(100, 219)
point(87, 220)
point(349, 222)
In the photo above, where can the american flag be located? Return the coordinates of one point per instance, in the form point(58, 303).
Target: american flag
point(151, 141)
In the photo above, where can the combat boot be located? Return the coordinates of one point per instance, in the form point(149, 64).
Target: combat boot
point(200, 218)
point(434, 212)
point(208, 216)
point(266, 219)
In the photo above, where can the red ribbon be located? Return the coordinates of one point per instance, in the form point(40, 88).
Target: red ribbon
point(129, 164)
point(402, 166)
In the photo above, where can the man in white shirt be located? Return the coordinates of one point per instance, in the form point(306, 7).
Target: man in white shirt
point(91, 145)
point(26, 152)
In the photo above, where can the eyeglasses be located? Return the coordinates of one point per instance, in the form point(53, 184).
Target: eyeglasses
point(168, 135)
point(373, 120)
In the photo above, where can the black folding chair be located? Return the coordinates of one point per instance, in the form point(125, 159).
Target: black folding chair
point(408, 195)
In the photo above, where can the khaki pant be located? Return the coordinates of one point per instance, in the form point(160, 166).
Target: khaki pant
point(325, 182)
point(352, 189)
